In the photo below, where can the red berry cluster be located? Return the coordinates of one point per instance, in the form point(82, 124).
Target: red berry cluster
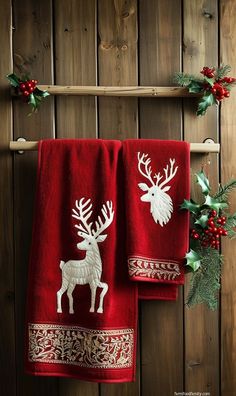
point(210, 236)
point(219, 89)
point(208, 72)
point(27, 87)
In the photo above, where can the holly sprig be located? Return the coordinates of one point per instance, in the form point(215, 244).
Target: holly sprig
point(214, 86)
point(210, 220)
point(28, 90)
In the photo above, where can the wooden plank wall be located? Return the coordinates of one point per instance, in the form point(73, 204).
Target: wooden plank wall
point(116, 42)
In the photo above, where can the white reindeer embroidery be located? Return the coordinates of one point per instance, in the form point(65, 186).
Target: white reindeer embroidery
point(161, 205)
point(88, 270)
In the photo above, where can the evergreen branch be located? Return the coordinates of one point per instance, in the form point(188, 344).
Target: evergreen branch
point(184, 79)
point(205, 282)
point(222, 71)
point(231, 223)
point(222, 194)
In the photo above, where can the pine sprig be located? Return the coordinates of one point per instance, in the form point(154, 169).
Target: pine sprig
point(222, 194)
point(222, 71)
point(205, 283)
point(185, 79)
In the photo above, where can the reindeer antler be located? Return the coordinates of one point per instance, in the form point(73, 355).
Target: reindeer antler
point(108, 214)
point(169, 173)
point(145, 160)
point(82, 214)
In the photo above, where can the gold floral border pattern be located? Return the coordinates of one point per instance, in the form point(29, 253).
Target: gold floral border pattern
point(49, 343)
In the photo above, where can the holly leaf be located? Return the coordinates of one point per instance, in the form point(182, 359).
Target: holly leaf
point(203, 181)
point(195, 87)
point(41, 93)
point(206, 101)
point(32, 101)
point(13, 79)
point(210, 81)
point(214, 204)
point(193, 260)
point(202, 221)
point(190, 205)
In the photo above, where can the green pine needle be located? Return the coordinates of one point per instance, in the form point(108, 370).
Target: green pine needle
point(184, 79)
point(205, 282)
point(222, 71)
point(222, 194)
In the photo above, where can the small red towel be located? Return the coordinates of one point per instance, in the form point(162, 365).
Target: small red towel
point(82, 308)
point(157, 182)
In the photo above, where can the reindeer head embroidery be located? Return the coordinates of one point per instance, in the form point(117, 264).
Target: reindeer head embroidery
point(161, 205)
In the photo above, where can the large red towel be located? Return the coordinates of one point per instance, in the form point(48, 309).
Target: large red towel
point(82, 308)
point(157, 182)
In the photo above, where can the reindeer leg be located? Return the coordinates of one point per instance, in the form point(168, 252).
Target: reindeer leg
point(59, 295)
point(69, 294)
point(93, 288)
point(104, 286)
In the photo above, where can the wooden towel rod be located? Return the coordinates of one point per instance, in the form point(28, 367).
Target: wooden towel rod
point(138, 91)
point(194, 147)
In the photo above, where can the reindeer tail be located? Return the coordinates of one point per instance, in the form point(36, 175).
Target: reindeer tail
point(62, 263)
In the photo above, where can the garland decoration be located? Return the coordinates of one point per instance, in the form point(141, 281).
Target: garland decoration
point(27, 89)
point(214, 86)
point(210, 221)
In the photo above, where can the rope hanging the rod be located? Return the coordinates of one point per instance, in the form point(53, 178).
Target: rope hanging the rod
point(194, 147)
point(136, 91)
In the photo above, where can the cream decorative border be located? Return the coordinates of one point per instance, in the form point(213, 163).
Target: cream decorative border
point(49, 343)
point(152, 268)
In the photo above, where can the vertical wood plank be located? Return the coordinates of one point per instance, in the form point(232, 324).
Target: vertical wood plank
point(32, 53)
point(160, 58)
point(228, 145)
point(201, 324)
point(7, 329)
point(75, 63)
point(162, 321)
point(117, 51)
point(117, 55)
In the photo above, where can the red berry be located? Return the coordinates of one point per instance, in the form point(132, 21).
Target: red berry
point(213, 213)
point(31, 89)
point(219, 221)
point(227, 94)
point(28, 84)
point(210, 222)
point(196, 236)
point(22, 86)
point(225, 232)
point(26, 93)
point(223, 218)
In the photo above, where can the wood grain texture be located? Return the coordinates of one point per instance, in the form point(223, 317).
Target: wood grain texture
point(32, 48)
point(160, 58)
point(201, 325)
point(75, 64)
point(117, 55)
point(228, 139)
point(75, 52)
point(161, 321)
point(7, 328)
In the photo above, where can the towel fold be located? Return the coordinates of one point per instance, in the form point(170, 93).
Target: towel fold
point(82, 308)
point(156, 183)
